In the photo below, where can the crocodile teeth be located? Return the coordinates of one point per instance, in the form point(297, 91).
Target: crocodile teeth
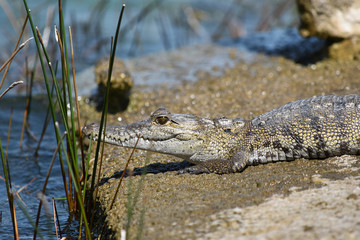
point(122, 138)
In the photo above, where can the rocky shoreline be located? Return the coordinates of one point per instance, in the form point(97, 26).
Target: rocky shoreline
point(207, 206)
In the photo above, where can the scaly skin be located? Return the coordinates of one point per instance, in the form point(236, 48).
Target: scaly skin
point(313, 128)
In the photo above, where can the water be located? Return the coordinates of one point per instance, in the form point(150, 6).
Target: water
point(166, 25)
point(29, 171)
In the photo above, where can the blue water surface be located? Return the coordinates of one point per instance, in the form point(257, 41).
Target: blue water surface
point(28, 171)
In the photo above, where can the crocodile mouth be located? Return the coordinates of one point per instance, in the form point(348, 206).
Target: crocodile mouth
point(122, 135)
point(127, 138)
point(178, 142)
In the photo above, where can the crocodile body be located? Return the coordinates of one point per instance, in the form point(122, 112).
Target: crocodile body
point(313, 128)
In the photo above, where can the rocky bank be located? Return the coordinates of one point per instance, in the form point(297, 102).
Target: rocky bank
point(313, 199)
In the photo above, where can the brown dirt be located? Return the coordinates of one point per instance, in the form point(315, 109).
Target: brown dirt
point(191, 206)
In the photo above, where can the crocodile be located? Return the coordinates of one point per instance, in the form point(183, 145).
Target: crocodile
point(314, 128)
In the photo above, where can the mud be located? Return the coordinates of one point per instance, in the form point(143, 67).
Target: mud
point(243, 205)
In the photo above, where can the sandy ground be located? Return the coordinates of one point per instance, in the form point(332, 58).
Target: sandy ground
point(313, 199)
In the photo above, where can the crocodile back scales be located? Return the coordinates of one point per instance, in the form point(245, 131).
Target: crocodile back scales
point(318, 127)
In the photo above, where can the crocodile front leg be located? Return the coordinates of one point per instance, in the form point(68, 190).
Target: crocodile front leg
point(235, 164)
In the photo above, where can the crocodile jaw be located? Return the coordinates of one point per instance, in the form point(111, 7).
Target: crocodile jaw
point(176, 141)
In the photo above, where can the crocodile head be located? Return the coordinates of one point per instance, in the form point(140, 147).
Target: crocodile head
point(186, 136)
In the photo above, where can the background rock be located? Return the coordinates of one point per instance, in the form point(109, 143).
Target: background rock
point(329, 19)
point(120, 85)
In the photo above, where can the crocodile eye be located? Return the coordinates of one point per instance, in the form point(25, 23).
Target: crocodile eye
point(161, 120)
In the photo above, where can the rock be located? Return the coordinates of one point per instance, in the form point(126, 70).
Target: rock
point(348, 49)
point(311, 214)
point(329, 19)
point(120, 85)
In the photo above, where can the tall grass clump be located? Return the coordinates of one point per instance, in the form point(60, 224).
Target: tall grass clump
point(63, 96)
point(62, 99)
point(64, 110)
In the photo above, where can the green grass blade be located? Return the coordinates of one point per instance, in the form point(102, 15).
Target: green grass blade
point(8, 186)
point(78, 190)
point(87, 167)
point(105, 106)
